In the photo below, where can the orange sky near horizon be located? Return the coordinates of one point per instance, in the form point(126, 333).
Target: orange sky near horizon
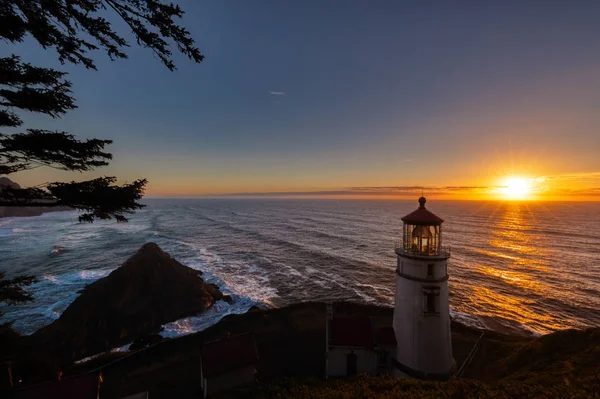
point(499, 186)
point(568, 187)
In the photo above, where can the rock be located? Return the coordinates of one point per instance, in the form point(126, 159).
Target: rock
point(228, 299)
point(214, 289)
point(149, 290)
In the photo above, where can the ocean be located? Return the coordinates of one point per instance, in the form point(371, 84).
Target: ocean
point(530, 267)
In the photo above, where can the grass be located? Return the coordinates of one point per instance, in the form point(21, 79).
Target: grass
point(388, 387)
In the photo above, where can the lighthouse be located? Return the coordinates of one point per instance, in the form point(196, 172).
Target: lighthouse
point(422, 309)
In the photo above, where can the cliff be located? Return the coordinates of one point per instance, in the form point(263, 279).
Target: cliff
point(149, 290)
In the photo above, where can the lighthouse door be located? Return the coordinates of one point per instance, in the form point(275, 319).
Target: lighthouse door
point(351, 364)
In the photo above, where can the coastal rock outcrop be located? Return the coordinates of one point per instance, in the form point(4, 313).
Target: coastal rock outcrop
point(135, 300)
point(10, 211)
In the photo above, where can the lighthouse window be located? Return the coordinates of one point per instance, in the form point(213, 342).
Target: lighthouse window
point(431, 300)
point(430, 271)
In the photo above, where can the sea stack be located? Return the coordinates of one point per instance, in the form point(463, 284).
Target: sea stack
point(149, 290)
point(422, 308)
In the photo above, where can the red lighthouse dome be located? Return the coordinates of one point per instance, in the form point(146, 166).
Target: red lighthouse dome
point(423, 216)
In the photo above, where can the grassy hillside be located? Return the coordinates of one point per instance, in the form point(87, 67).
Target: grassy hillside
point(562, 356)
point(387, 387)
point(290, 342)
point(564, 364)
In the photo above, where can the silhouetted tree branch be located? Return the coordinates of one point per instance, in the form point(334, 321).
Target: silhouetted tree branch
point(74, 28)
point(58, 150)
point(31, 89)
point(100, 198)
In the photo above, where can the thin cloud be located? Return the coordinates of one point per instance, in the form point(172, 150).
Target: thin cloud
point(578, 177)
point(409, 191)
point(277, 93)
point(587, 186)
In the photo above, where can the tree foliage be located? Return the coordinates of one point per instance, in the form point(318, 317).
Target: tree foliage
point(58, 150)
point(12, 291)
point(74, 29)
point(32, 89)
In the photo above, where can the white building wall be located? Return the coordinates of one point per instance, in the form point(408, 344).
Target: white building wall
point(338, 355)
point(423, 339)
point(390, 350)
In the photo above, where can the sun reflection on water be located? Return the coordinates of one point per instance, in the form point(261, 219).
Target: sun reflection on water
point(519, 276)
point(508, 307)
point(518, 279)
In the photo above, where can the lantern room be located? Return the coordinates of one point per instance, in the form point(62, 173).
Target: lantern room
point(422, 233)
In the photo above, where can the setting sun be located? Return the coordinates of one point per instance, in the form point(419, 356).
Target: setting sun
point(516, 188)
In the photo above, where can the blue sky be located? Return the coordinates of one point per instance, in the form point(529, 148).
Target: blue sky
point(369, 93)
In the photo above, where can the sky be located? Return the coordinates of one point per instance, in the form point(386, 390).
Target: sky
point(358, 98)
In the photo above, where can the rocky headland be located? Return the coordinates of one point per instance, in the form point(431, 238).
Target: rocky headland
point(133, 302)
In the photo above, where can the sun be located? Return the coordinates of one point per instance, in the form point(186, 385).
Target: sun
point(516, 188)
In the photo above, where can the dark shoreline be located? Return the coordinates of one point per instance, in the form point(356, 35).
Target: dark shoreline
point(29, 211)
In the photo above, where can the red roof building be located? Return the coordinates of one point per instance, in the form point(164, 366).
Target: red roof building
point(351, 331)
point(228, 363)
point(355, 346)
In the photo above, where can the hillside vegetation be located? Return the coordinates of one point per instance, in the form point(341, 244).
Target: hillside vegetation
point(388, 387)
point(565, 364)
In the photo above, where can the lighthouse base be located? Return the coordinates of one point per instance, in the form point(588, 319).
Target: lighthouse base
point(403, 371)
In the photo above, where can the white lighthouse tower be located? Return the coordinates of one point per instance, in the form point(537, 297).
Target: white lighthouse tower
point(422, 310)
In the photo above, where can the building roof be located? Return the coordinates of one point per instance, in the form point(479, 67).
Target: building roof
point(351, 331)
point(228, 354)
point(422, 216)
point(385, 336)
point(83, 386)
